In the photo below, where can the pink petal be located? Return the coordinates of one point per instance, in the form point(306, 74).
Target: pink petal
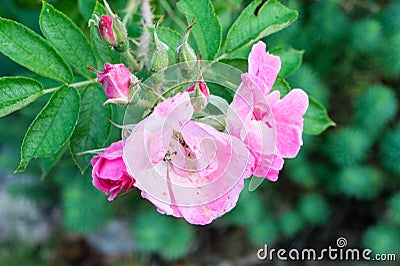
point(116, 80)
point(113, 151)
point(105, 28)
point(288, 114)
point(159, 145)
point(276, 166)
point(176, 108)
point(264, 65)
point(110, 169)
point(205, 214)
point(241, 109)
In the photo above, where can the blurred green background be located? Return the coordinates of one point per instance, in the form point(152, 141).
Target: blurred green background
point(344, 182)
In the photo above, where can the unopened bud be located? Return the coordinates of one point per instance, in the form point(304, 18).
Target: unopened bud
point(117, 83)
point(112, 31)
point(159, 59)
point(199, 94)
point(184, 54)
point(106, 31)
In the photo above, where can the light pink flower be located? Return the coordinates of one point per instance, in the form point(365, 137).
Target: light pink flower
point(116, 80)
point(109, 171)
point(186, 168)
point(270, 127)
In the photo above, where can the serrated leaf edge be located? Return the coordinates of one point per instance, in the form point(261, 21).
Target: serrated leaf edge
point(26, 99)
point(82, 170)
point(23, 164)
point(204, 31)
point(71, 77)
point(77, 67)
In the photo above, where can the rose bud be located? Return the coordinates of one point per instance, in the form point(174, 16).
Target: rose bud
point(106, 31)
point(117, 82)
point(199, 94)
point(112, 31)
point(159, 59)
point(109, 171)
point(184, 54)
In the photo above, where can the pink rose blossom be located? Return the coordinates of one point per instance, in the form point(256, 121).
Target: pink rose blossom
point(270, 127)
point(116, 80)
point(186, 168)
point(109, 171)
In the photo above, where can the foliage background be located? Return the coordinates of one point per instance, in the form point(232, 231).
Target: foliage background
point(344, 182)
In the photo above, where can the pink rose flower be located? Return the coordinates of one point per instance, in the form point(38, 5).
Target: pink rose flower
point(109, 171)
point(116, 80)
point(271, 127)
point(186, 168)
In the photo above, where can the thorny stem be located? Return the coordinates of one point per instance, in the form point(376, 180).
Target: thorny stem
point(132, 64)
point(144, 43)
point(77, 84)
point(130, 9)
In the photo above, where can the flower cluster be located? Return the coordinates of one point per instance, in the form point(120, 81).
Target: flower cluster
point(189, 169)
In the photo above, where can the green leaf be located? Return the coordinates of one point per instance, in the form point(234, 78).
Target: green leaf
point(67, 38)
point(28, 49)
point(316, 119)
point(169, 37)
point(105, 53)
point(86, 8)
point(207, 30)
point(291, 60)
point(255, 23)
point(239, 63)
point(17, 92)
point(282, 86)
point(221, 91)
point(52, 127)
point(93, 128)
